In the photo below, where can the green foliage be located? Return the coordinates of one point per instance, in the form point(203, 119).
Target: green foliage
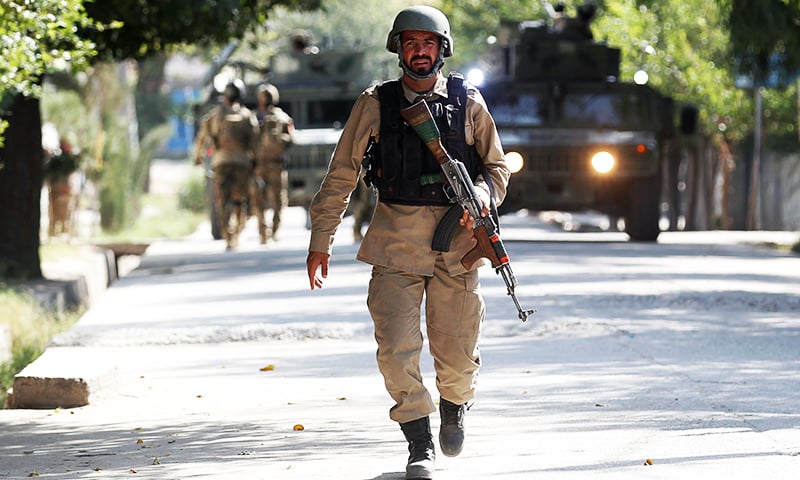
point(71, 116)
point(474, 21)
point(687, 55)
point(167, 215)
point(193, 196)
point(764, 36)
point(152, 26)
point(37, 36)
point(361, 24)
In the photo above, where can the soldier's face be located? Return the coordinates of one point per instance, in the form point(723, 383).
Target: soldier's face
point(420, 50)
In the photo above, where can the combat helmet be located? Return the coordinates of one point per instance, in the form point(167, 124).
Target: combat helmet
point(270, 91)
point(234, 90)
point(426, 19)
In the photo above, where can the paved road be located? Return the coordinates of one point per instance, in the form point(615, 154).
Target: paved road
point(685, 353)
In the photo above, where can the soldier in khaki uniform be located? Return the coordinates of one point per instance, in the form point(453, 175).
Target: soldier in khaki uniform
point(232, 130)
point(411, 203)
point(271, 184)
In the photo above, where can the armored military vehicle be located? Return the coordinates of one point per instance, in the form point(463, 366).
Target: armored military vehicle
point(581, 138)
point(317, 89)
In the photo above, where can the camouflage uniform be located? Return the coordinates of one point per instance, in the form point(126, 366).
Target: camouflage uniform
point(233, 129)
point(270, 185)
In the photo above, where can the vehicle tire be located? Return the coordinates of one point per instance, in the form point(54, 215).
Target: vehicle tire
point(644, 200)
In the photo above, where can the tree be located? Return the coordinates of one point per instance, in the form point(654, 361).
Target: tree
point(356, 24)
point(31, 41)
point(35, 38)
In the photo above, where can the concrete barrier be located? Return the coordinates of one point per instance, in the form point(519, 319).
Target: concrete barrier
point(65, 377)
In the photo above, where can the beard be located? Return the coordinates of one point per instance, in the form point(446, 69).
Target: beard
point(424, 69)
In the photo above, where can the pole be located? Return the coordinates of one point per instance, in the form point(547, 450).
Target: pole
point(753, 204)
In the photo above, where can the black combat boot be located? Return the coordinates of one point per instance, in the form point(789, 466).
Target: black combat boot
point(420, 447)
point(451, 430)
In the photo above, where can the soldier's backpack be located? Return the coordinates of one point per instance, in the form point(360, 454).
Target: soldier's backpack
point(232, 128)
point(276, 133)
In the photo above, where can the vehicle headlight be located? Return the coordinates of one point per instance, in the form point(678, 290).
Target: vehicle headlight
point(603, 162)
point(514, 161)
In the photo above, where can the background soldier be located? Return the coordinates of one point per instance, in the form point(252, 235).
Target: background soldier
point(64, 184)
point(270, 185)
point(233, 131)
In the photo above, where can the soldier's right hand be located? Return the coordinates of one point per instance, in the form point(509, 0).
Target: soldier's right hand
point(313, 261)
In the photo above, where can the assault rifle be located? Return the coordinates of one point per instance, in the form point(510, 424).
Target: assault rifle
point(462, 191)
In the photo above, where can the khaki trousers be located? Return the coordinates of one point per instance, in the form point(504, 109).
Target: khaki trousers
point(273, 192)
point(454, 313)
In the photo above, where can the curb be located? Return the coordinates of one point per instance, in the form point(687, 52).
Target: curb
point(66, 377)
point(62, 377)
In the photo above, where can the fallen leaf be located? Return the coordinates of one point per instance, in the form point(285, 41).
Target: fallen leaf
point(268, 368)
point(33, 474)
point(341, 398)
point(648, 461)
point(139, 441)
point(299, 428)
point(132, 470)
point(157, 461)
point(98, 469)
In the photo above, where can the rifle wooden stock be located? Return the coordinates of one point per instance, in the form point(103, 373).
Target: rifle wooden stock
point(421, 120)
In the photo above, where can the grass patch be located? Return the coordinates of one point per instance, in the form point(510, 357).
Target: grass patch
point(161, 217)
point(31, 327)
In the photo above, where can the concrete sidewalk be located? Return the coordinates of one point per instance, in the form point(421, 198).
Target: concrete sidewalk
point(207, 364)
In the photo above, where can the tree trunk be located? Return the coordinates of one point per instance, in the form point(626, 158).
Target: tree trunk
point(20, 191)
point(152, 106)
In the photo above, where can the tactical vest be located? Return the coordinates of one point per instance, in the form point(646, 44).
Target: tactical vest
point(275, 137)
point(402, 168)
point(232, 128)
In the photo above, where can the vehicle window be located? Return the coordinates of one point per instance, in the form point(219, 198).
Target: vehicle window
point(519, 110)
point(603, 110)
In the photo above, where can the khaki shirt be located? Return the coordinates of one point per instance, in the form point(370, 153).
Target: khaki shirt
point(233, 133)
point(399, 236)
